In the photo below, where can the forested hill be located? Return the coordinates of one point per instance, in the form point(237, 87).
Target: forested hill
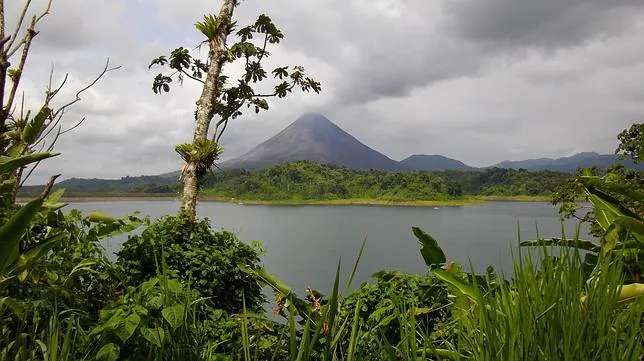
point(308, 180)
point(305, 180)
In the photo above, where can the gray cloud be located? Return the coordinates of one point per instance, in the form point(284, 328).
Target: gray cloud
point(544, 24)
point(481, 81)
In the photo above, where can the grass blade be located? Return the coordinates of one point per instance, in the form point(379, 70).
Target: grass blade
point(333, 309)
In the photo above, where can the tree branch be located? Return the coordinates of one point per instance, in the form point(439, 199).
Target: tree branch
point(1, 20)
point(77, 98)
point(31, 33)
point(74, 127)
point(35, 20)
point(49, 186)
point(259, 58)
point(50, 94)
point(21, 19)
point(192, 77)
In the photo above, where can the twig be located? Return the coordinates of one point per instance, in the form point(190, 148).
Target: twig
point(34, 21)
point(74, 127)
point(23, 13)
point(31, 33)
point(192, 77)
point(77, 98)
point(49, 186)
point(51, 94)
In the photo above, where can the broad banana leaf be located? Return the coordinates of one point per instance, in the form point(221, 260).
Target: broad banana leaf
point(433, 255)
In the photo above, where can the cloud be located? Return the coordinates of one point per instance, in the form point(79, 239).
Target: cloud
point(481, 81)
point(545, 24)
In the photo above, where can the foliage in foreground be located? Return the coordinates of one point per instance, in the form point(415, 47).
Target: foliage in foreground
point(550, 311)
point(204, 259)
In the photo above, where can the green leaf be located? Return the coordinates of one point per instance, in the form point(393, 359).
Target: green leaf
point(431, 251)
point(9, 164)
point(100, 217)
point(149, 284)
point(155, 336)
point(333, 309)
point(109, 352)
point(577, 243)
point(174, 315)
point(12, 231)
point(155, 302)
point(35, 126)
point(126, 327)
point(54, 197)
point(463, 287)
point(631, 224)
point(35, 253)
point(612, 187)
point(174, 286)
point(267, 278)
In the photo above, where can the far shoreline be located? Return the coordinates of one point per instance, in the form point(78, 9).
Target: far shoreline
point(125, 197)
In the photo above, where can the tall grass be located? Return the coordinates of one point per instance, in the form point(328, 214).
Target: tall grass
point(551, 311)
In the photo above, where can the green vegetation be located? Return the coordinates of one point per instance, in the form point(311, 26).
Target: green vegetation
point(221, 97)
point(208, 259)
point(304, 181)
point(179, 291)
point(307, 182)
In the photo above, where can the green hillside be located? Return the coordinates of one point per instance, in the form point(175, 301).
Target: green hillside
point(304, 180)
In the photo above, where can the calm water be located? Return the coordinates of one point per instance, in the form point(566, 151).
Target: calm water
point(303, 243)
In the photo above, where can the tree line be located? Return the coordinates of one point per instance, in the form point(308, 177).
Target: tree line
point(308, 180)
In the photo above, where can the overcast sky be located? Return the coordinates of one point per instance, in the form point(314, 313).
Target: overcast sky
point(480, 81)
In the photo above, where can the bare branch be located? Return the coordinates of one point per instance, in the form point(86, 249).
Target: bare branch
point(49, 186)
point(21, 65)
point(259, 58)
point(22, 105)
point(35, 20)
point(2, 20)
point(23, 13)
point(222, 131)
point(74, 127)
point(51, 94)
point(77, 98)
point(53, 143)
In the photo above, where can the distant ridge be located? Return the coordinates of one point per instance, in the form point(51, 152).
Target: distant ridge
point(433, 162)
point(569, 164)
point(314, 137)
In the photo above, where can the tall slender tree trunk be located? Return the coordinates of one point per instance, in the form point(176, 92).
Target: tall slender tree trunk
point(205, 105)
point(4, 66)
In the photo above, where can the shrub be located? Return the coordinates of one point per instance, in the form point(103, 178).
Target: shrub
point(195, 254)
point(380, 306)
point(153, 321)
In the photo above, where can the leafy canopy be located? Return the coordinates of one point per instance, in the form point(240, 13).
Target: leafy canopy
point(233, 95)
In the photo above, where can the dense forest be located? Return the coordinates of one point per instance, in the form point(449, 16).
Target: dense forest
point(304, 180)
point(308, 180)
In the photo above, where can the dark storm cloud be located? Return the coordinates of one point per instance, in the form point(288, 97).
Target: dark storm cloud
point(543, 24)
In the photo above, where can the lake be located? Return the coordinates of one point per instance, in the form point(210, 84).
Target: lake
point(303, 243)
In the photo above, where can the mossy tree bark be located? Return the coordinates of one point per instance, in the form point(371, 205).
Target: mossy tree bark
point(205, 105)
